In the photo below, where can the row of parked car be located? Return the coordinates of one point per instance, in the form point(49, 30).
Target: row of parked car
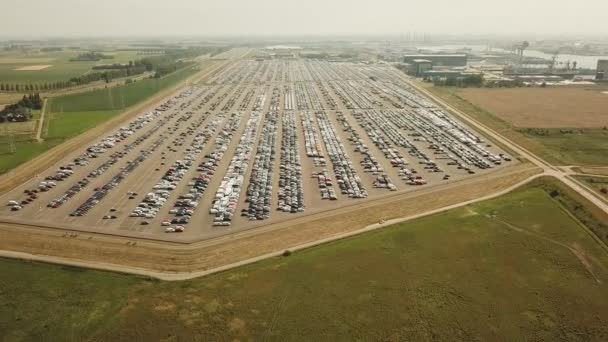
point(313, 96)
point(290, 98)
point(291, 187)
point(152, 203)
point(346, 175)
point(93, 151)
point(369, 163)
point(113, 159)
point(312, 142)
point(146, 153)
point(391, 153)
point(228, 193)
point(300, 96)
point(259, 190)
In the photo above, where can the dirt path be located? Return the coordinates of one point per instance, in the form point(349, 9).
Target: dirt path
point(38, 135)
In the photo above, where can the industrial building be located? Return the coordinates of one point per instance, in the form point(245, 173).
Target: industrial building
point(417, 67)
point(602, 70)
point(439, 59)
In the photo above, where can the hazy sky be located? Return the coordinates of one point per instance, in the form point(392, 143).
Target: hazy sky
point(43, 18)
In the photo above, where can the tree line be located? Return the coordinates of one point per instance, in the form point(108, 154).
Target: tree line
point(111, 72)
point(22, 110)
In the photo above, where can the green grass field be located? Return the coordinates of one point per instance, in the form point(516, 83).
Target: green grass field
point(580, 147)
point(61, 68)
point(516, 268)
point(26, 150)
point(586, 147)
point(116, 97)
point(69, 124)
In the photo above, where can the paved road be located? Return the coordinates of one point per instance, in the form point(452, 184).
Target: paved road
point(548, 169)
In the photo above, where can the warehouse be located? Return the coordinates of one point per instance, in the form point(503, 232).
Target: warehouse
point(602, 70)
point(439, 59)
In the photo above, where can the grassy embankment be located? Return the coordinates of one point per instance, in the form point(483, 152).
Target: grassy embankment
point(70, 115)
point(519, 267)
point(557, 146)
point(598, 184)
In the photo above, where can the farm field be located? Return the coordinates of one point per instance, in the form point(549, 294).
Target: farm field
point(496, 270)
point(553, 107)
point(563, 145)
point(261, 142)
point(60, 68)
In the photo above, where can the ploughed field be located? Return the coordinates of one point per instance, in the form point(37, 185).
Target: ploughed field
point(557, 107)
point(258, 143)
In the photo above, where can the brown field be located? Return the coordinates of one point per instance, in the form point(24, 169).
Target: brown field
point(33, 67)
point(568, 107)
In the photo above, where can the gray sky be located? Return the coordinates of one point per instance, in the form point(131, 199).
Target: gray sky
point(41, 18)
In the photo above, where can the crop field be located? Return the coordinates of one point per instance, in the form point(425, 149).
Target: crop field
point(19, 68)
point(493, 271)
point(551, 134)
point(553, 107)
point(260, 142)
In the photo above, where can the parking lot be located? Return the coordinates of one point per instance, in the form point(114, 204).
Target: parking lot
point(259, 142)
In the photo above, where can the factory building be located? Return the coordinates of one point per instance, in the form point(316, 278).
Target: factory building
point(420, 66)
point(602, 70)
point(439, 59)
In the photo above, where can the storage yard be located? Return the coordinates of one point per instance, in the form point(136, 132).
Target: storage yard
point(259, 142)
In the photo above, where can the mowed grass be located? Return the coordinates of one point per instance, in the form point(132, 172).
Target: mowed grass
point(585, 147)
point(26, 149)
point(61, 68)
point(70, 124)
point(516, 268)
